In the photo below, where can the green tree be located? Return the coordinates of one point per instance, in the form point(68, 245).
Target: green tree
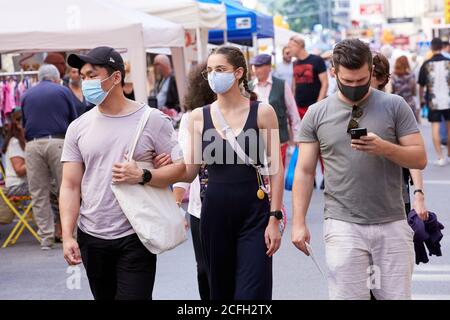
point(301, 14)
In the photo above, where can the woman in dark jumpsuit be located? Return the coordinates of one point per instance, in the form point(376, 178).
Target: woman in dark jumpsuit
point(239, 235)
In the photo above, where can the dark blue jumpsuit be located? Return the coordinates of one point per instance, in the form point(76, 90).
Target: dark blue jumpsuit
point(233, 220)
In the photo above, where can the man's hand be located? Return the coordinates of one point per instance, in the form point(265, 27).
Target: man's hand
point(71, 251)
point(419, 206)
point(126, 172)
point(300, 235)
point(371, 144)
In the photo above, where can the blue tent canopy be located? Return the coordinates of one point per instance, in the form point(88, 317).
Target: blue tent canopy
point(242, 24)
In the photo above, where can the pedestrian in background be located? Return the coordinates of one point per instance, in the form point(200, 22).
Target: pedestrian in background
point(277, 93)
point(404, 84)
point(285, 69)
point(435, 93)
point(48, 109)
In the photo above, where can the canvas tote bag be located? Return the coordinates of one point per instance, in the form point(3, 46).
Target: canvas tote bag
point(152, 211)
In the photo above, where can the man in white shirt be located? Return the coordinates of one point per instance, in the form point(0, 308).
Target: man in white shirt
point(285, 69)
point(278, 94)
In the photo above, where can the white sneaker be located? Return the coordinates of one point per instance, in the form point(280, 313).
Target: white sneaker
point(46, 248)
point(441, 162)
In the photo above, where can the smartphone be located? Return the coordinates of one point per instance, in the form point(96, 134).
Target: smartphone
point(358, 133)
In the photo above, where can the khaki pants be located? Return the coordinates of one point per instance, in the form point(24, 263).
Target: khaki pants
point(376, 257)
point(43, 164)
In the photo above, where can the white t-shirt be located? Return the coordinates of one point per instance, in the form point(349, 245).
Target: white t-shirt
point(14, 150)
point(195, 203)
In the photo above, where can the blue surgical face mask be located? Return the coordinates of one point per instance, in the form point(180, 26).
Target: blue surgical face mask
point(221, 82)
point(93, 92)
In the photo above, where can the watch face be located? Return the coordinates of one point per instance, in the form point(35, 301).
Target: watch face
point(147, 176)
point(278, 215)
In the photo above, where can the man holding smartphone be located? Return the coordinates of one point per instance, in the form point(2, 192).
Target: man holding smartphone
point(366, 233)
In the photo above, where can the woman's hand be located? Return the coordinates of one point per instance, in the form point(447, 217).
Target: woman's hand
point(272, 236)
point(161, 160)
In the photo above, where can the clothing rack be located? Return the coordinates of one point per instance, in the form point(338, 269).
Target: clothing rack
point(19, 73)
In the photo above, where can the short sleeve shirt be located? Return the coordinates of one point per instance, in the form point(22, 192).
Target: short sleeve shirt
point(359, 187)
point(99, 141)
point(307, 82)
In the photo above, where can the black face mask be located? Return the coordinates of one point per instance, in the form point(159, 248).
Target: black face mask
point(354, 94)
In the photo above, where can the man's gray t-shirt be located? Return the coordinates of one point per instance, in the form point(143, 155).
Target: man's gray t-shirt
point(359, 187)
point(99, 141)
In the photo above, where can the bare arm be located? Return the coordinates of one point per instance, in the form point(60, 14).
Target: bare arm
point(178, 171)
point(268, 122)
point(69, 207)
point(302, 188)
point(418, 198)
point(18, 164)
point(323, 77)
point(422, 94)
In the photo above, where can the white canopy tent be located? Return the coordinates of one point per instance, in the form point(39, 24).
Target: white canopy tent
point(192, 15)
point(67, 25)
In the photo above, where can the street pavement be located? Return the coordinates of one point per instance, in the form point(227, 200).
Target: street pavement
point(26, 272)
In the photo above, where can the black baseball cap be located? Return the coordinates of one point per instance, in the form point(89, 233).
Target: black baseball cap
point(98, 56)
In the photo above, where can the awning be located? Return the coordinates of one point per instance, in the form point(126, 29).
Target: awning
point(243, 24)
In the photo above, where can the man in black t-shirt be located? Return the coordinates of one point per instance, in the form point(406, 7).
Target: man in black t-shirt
point(310, 81)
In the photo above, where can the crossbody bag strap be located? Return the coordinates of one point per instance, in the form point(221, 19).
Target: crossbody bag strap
point(231, 138)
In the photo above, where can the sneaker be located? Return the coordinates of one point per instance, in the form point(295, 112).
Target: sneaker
point(441, 162)
point(46, 248)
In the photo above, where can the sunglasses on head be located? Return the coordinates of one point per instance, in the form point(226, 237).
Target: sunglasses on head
point(357, 112)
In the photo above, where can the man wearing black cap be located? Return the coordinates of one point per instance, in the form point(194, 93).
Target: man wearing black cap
point(277, 93)
point(433, 76)
point(118, 265)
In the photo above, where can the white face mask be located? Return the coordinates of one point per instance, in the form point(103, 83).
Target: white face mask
point(221, 82)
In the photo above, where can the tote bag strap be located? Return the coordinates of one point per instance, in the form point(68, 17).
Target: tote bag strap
point(138, 131)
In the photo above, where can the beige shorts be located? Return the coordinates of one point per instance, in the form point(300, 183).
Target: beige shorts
point(361, 258)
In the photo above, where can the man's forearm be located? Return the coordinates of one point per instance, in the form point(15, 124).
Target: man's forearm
point(417, 178)
point(69, 207)
point(323, 92)
point(301, 196)
point(411, 157)
point(421, 94)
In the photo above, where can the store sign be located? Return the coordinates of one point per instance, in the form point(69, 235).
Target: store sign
point(400, 20)
point(243, 23)
point(401, 41)
point(371, 9)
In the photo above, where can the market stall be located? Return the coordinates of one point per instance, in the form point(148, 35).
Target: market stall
point(65, 25)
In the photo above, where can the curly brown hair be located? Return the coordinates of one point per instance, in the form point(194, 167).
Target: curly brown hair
point(381, 69)
point(198, 92)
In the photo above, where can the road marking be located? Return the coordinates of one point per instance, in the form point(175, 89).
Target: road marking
point(436, 182)
point(431, 297)
point(431, 277)
point(431, 268)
